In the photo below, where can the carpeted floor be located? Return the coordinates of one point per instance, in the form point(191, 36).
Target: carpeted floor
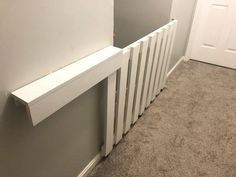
point(189, 131)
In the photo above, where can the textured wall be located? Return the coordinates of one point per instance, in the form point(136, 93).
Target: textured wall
point(136, 18)
point(38, 37)
point(183, 11)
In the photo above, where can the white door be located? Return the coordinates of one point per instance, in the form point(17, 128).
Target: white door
point(213, 35)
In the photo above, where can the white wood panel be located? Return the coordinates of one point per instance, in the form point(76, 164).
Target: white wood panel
point(121, 89)
point(173, 27)
point(110, 114)
point(157, 74)
point(140, 80)
point(152, 42)
point(131, 85)
point(47, 95)
point(161, 60)
point(151, 58)
point(167, 49)
point(154, 66)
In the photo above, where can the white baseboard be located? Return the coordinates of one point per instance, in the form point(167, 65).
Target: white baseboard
point(176, 65)
point(186, 58)
point(91, 165)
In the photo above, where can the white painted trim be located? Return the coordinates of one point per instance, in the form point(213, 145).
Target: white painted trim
point(176, 65)
point(166, 55)
point(91, 165)
point(121, 97)
point(110, 114)
point(193, 30)
point(162, 58)
point(131, 85)
point(173, 34)
point(50, 93)
point(186, 58)
point(140, 81)
point(152, 43)
point(154, 66)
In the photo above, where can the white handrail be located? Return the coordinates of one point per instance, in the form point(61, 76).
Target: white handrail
point(50, 93)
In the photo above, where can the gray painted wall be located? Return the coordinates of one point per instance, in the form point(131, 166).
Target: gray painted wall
point(38, 37)
point(183, 11)
point(136, 18)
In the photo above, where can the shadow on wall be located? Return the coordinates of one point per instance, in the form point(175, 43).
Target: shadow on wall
point(13, 118)
point(185, 22)
point(133, 22)
point(58, 146)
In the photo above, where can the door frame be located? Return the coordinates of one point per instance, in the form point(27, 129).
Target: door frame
point(193, 30)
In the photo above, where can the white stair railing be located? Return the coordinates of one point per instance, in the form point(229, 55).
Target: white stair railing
point(149, 60)
point(135, 76)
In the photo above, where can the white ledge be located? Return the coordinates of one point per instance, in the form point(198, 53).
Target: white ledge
point(50, 93)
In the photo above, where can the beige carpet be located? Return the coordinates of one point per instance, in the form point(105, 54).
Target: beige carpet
point(189, 131)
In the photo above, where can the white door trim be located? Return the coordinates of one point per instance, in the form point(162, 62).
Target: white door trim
point(193, 30)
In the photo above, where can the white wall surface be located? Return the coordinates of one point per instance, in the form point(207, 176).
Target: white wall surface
point(36, 38)
point(183, 11)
